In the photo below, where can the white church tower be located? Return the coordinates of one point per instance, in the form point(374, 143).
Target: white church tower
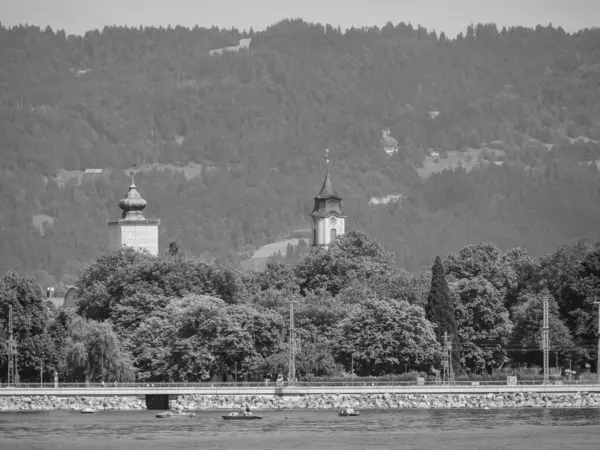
point(327, 215)
point(133, 229)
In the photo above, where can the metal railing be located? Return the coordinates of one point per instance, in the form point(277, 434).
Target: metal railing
point(308, 384)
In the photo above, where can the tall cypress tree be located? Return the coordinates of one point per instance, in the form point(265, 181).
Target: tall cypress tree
point(440, 309)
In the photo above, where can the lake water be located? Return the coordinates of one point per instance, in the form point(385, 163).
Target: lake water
point(307, 429)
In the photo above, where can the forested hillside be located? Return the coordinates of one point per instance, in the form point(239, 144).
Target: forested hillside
point(251, 127)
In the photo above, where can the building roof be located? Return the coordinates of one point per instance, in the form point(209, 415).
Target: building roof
point(327, 190)
point(62, 299)
point(132, 204)
point(386, 139)
point(328, 201)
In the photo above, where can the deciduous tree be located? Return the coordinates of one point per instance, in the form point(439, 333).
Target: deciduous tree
point(30, 317)
point(383, 336)
point(484, 326)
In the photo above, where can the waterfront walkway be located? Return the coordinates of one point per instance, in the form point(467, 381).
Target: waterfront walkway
point(260, 389)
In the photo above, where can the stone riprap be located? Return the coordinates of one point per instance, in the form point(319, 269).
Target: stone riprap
point(52, 403)
point(319, 401)
point(392, 401)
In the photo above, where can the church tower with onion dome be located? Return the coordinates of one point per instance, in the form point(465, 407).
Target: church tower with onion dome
point(133, 229)
point(328, 219)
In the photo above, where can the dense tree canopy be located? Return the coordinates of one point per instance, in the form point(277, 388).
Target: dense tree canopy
point(176, 318)
point(30, 317)
point(484, 325)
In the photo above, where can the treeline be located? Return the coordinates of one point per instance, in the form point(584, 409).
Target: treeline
point(125, 95)
point(177, 318)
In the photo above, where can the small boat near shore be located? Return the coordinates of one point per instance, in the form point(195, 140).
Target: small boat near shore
point(242, 417)
point(174, 415)
point(88, 411)
point(349, 413)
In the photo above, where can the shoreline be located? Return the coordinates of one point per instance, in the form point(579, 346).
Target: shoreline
point(196, 402)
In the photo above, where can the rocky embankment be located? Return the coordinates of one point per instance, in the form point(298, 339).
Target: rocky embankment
point(387, 401)
point(52, 403)
point(320, 401)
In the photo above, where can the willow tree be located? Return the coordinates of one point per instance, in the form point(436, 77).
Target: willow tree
point(94, 351)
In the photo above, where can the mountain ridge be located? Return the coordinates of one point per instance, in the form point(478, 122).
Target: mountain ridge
point(157, 99)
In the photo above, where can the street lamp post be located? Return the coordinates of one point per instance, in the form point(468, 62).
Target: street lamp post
point(352, 368)
point(598, 358)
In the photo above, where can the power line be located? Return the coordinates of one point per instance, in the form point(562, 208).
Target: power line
point(292, 349)
point(448, 375)
point(598, 359)
point(546, 339)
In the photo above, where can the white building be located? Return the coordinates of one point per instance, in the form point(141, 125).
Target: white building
point(133, 229)
point(327, 215)
point(388, 143)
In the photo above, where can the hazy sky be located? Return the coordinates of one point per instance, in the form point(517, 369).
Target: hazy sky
point(450, 16)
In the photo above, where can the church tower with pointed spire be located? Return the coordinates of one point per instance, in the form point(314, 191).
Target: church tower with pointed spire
point(327, 215)
point(133, 229)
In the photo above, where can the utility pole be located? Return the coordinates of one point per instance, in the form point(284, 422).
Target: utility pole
point(352, 368)
point(450, 369)
point(11, 351)
point(292, 349)
point(545, 338)
point(598, 361)
point(447, 373)
point(445, 365)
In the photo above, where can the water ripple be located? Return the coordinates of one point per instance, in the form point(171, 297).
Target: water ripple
point(449, 429)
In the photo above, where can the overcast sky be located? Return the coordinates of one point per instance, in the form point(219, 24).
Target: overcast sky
point(450, 16)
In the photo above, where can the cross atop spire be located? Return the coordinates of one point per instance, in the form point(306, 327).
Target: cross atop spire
point(133, 167)
point(132, 204)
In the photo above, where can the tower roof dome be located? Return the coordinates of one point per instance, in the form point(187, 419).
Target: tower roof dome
point(132, 204)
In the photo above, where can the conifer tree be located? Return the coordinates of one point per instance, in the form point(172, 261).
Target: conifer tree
point(440, 309)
